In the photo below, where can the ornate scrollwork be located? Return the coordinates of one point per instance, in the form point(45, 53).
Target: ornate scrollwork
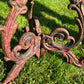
point(62, 35)
point(30, 41)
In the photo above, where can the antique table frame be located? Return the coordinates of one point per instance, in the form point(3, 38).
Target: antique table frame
point(33, 41)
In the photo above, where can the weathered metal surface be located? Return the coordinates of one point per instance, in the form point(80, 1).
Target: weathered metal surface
point(31, 40)
point(62, 35)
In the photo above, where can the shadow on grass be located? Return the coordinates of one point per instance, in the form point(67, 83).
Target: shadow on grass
point(50, 23)
point(44, 22)
point(1, 20)
point(38, 8)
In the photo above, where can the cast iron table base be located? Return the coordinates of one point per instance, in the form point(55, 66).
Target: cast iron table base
point(36, 43)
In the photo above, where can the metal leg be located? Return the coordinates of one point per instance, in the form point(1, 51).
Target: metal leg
point(31, 40)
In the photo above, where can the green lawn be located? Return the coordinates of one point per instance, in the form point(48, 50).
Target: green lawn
point(53, 68)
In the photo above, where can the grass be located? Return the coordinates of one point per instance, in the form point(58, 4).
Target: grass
point(53, 68)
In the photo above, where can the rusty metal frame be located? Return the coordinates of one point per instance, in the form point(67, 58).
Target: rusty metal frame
point(31, 39)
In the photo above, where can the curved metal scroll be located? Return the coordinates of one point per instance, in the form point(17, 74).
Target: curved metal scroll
point(30, 41)
point(62, 35)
